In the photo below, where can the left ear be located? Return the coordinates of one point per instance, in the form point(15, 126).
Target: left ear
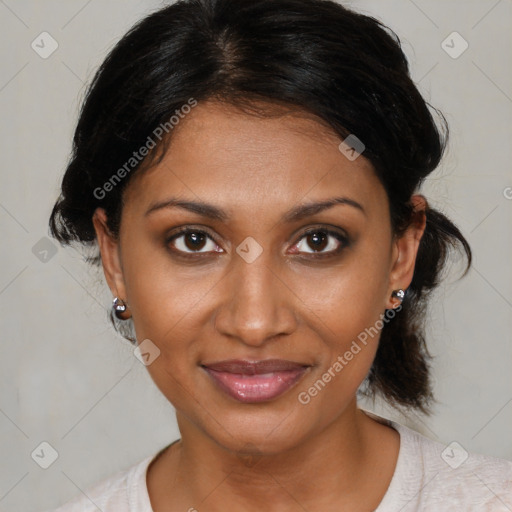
point(405, 249)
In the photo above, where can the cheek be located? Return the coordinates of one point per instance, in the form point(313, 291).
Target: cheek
point(350, 338)
point(350, 304)
point(162, 294)
point(170, 307)
point(351, 296)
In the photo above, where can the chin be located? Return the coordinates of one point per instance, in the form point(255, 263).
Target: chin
point(266, 432)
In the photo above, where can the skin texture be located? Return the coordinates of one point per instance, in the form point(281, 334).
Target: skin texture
point(280, 454)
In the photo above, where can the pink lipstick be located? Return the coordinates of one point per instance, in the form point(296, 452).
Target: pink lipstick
point(255, 381)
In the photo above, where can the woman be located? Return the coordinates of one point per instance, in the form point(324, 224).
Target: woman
point(249, 171)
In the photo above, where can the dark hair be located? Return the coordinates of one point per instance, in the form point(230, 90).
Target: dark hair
point(313, 56)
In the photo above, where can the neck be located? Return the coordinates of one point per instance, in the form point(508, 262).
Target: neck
point(336, 465)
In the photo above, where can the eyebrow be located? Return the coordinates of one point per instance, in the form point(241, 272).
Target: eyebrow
point(297, 213)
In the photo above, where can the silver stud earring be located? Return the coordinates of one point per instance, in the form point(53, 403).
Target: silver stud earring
point(119, 307)
point(398, 294)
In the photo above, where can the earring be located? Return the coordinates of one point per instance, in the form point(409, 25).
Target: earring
point(398, 294)
point(119, 308)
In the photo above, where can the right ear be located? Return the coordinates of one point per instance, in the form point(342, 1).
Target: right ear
point(110, 256)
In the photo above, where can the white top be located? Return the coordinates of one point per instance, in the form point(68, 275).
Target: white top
point(428, 477)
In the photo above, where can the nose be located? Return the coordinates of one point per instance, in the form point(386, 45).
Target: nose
point(259, 304)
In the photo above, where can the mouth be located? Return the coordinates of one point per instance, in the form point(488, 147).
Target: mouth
point(255, 381)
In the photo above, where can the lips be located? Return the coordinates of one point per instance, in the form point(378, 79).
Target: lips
point(255, 381)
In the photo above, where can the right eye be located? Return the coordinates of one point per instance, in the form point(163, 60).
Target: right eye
point(192, 241)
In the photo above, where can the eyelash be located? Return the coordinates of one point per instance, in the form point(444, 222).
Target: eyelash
point(342, 239)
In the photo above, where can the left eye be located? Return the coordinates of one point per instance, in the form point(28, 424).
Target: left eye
point(322, 241)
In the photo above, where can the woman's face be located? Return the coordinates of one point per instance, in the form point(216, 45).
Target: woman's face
point(249, 283)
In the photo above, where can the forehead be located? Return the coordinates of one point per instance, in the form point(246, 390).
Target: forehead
point(239, 160)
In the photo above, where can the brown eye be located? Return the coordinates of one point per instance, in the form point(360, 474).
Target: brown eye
point(318, 240)
point(192, 241)
point(321, 241)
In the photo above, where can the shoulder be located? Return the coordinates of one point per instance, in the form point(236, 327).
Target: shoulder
point(448, 477)
point(430, 475)
point(125, 491)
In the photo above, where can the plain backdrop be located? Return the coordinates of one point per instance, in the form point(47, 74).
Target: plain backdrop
point(67, 379)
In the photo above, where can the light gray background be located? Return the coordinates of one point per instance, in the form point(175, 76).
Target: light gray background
point(68, 379)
